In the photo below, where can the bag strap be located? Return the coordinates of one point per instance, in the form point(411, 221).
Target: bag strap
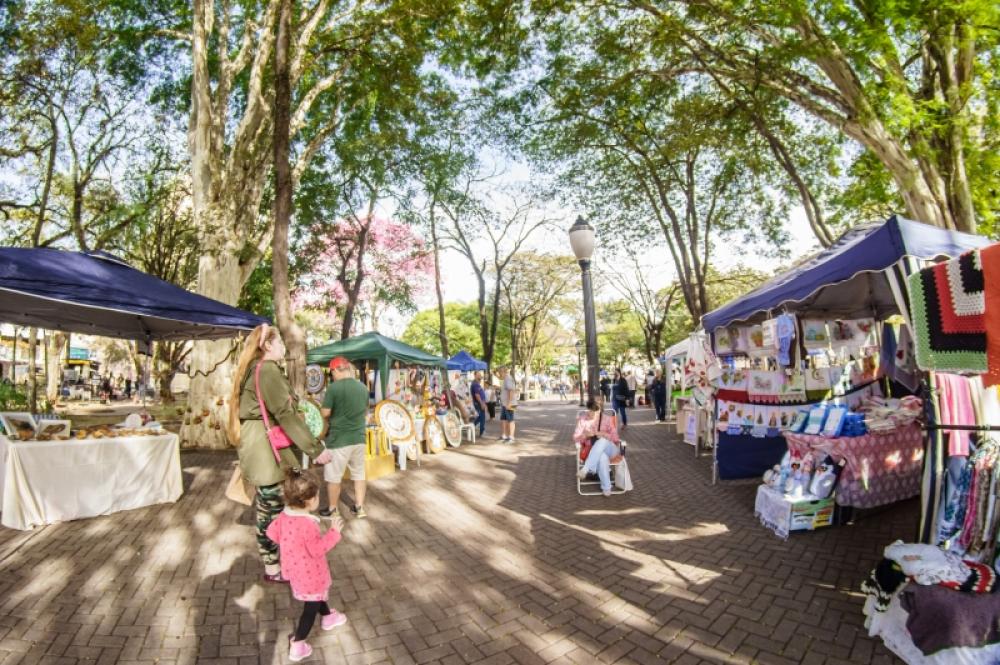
point(260, 400)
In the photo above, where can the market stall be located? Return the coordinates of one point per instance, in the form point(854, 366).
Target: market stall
point(937, 601)
point(813, 339)
point(51, 471)
point(405, 376)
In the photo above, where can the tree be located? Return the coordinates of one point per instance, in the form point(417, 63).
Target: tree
point(651, 306)
point(912, 83)
point(507, 224)
point(532, 287)
point(461, 329)
point(363, 258)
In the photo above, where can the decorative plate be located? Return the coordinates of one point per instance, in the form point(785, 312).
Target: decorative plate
point(315, 379)
point(394, 420)
point(434, 437)
point(311, 414)
point(452, 423)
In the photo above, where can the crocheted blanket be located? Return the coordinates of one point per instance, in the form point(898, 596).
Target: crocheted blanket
point(937, 349)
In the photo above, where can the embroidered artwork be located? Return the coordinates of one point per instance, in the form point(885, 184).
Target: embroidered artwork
point(770, 334)
point(733, 379)
point(764, 386)
point(755, 338)
point(726, 410)
point(793, 387)
point(818, 380)
point(814, 334)
point(724, 341)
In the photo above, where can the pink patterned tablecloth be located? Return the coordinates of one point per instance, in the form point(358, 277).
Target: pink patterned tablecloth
point(882, 467)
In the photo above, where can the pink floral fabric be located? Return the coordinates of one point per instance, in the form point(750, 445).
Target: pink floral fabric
point(303, 553)
point(882, 467)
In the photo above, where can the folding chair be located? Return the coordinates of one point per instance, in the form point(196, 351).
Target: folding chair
point(591, 485)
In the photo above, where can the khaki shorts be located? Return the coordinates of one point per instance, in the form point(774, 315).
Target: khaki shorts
point(348, 457)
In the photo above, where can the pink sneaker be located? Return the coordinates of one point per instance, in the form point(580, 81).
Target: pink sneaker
point(298, 650)
point(332, 620)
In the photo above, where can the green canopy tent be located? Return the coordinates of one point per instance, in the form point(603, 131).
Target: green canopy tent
point(377, 348)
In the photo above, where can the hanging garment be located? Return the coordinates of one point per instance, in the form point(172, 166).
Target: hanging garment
point(989, 259)
point(957, 408)
point(937, 350)
point(785, 332)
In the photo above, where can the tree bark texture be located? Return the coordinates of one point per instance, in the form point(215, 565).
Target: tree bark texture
point(442, 332)
point(295, 341)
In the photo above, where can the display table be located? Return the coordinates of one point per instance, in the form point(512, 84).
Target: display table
point(43, 482)
point(881, 467)
point(782, 514)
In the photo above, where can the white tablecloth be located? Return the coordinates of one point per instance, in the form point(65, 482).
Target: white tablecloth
point(43, 482)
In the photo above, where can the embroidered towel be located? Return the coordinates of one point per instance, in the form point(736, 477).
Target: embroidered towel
point(955, 401)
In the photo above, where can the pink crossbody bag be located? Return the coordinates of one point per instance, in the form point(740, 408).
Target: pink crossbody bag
point(276, 435)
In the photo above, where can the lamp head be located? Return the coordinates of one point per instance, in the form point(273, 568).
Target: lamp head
point(581, 239)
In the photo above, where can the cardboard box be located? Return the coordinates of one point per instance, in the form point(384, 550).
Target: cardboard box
point(811, 514)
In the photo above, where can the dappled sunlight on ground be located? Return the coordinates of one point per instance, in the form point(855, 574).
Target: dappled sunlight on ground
point(484, 553)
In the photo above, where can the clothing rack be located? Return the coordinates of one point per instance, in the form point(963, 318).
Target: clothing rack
point(965, 428)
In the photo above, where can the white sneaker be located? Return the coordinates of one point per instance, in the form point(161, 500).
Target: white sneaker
point(582, 473)
point(510, 440)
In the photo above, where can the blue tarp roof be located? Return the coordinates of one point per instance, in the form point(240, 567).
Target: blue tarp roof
point(854, 264)
point(98, 294)
point(464, 362)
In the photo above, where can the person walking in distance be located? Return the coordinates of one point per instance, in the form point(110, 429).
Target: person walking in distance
point(621, 393)
point(659, 390)
point(479, 401)
point(630, 379)
point(303, 559)
point(508, 402)
point(345, 407)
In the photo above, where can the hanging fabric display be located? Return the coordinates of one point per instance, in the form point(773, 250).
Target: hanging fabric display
point(989, 259)
point(793, 387)
point(764, 386)
point(724, 344)
point(936, 349)
point(785, 333)
point(814, 334)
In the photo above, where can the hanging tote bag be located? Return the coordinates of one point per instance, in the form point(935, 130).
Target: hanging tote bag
point(237, 489)
point(276, 435)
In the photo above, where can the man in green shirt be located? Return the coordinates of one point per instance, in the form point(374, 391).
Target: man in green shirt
point(345, 406)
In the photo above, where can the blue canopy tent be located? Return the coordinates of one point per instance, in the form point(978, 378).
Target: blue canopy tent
point(464, 362)
point(863, 274)
point(95, 293)
point(849, 278)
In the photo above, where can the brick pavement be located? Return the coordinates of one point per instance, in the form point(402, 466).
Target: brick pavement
point(485, 554)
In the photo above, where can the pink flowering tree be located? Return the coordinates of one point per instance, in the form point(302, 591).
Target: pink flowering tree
point(359, 261)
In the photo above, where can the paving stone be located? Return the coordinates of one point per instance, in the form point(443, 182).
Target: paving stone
point(483, 554)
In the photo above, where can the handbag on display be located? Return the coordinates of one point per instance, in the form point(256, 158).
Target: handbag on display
point(275, 435)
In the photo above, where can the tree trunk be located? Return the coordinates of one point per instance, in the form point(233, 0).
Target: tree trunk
point(442, 332)
point(295, 341)
point(53, 369)
point(212, 363)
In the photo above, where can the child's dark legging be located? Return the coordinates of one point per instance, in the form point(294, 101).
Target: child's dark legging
point(308, 618)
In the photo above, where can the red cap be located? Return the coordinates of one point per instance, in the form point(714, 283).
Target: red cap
point(340, 362)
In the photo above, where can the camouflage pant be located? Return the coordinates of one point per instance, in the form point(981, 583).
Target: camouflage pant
point(268, 502)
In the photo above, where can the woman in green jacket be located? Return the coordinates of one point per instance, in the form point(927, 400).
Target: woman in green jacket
point(264, 347)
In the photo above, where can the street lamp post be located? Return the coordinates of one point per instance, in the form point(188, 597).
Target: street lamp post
point(579, 369)
point(581, 239)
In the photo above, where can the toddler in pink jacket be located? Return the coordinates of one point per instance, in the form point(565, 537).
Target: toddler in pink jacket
point(303, 550)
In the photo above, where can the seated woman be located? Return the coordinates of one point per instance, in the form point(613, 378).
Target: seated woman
point(597, 431)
